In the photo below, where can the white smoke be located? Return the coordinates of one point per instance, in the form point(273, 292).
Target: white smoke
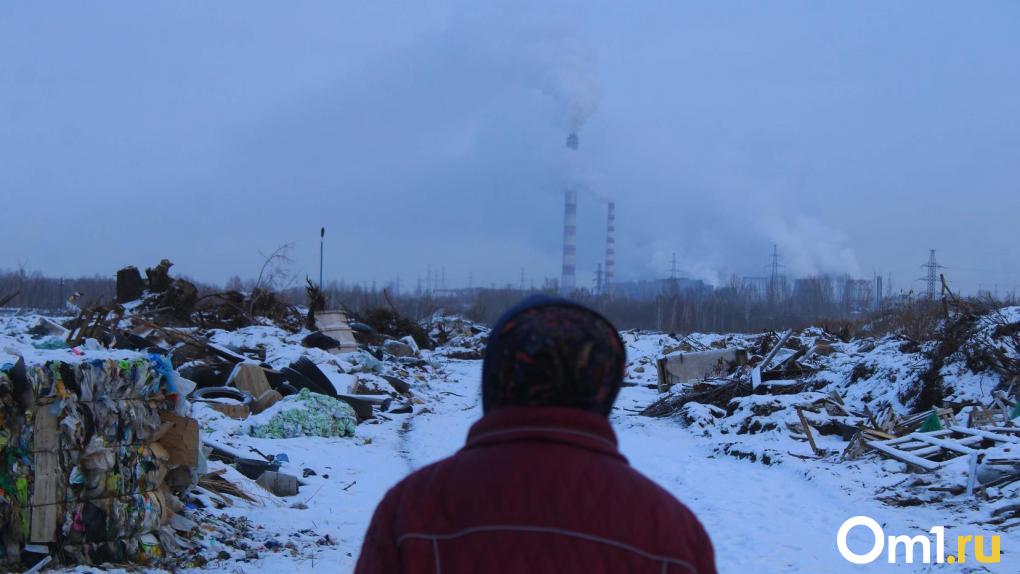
point(568, 74)
point(808, 246)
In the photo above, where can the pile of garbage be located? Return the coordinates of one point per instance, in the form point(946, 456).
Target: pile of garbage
point(460, 339)
point(105, 416)
point(945, 410)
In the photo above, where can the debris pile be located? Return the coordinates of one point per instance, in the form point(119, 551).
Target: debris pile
point(102, 460)
point(461, 339)
point(945, 410)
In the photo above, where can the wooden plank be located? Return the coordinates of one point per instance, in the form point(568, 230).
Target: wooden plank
point(988, 435)
point(181, 439)
point(48, 478)
point(772, 352)
point(908, 438)
point(807, 430)
point(966, 441)
point(946, 444)
point(929, 450)
point(878, 434)
point(904, 456)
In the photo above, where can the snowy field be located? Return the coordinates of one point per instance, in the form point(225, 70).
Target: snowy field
point(781, 517)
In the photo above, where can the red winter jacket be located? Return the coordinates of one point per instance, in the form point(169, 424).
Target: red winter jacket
point(535, 489)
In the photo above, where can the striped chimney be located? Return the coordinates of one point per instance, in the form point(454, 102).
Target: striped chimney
point(607, 284)
point(568, 279)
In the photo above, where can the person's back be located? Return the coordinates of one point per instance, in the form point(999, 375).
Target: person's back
point(540, 485)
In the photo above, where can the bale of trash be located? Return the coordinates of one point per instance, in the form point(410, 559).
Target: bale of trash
point(85, 449)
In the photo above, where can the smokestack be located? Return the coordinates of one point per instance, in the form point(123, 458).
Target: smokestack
point(607, 284)
point(568, 279)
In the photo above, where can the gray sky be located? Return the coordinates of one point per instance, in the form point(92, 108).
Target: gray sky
point(855, 135)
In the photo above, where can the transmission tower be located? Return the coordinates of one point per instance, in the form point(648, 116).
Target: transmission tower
point(931, 277)
point(674, 274)
point(774, 280)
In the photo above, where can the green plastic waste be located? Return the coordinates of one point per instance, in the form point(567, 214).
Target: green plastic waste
point(932, 423)
point(1016, 411)
point(52, 343)
point(309, 414)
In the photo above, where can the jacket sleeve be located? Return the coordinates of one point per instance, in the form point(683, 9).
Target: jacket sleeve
point(379, 552)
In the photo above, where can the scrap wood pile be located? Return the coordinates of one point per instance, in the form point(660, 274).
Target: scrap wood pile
point(944, 410)
point(166, 315)
point(167, 301)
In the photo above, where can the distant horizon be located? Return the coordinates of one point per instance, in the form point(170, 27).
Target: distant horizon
point(408, 284)
point(855, 137)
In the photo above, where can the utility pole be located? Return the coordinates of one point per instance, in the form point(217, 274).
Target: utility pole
point(522, 279)
point(598, 280)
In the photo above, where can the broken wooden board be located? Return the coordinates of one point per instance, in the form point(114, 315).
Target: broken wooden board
point(807, 430)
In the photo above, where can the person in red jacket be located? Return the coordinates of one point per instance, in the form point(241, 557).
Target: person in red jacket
point(540, 485)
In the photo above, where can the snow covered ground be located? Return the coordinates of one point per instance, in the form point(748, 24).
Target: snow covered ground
point(781, 517)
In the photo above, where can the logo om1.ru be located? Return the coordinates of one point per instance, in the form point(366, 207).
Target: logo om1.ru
point(920, 544)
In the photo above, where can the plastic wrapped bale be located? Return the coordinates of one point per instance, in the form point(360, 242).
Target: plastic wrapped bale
point(306, 414)
point(82, 471)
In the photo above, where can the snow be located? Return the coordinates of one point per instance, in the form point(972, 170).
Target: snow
point(779, 516)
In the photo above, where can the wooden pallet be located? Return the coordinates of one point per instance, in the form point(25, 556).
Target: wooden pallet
point(922, 449)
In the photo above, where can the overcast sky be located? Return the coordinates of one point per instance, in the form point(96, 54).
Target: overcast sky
point(855, 135)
